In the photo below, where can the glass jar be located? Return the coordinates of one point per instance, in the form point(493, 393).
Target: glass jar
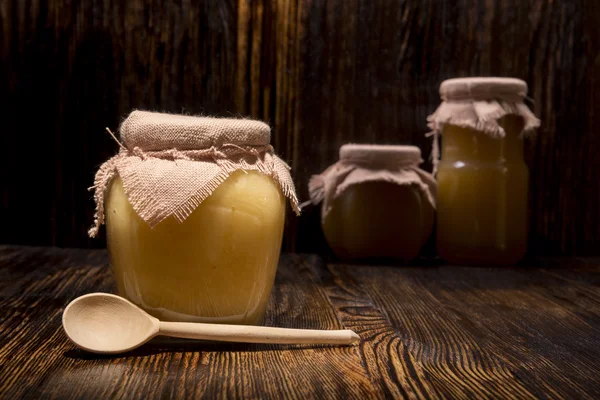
point(482, 176)
point(194, 235)
point(382, 205)
point(216, 266)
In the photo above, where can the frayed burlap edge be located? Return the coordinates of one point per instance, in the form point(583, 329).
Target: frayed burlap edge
point(263, 161)
point(330, 184)
point(463, 114)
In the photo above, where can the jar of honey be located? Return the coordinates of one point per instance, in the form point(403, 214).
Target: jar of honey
point(482, 175)
point(194, 210)
point(376, 202)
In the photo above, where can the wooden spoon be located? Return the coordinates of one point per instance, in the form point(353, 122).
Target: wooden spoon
point(105, 323)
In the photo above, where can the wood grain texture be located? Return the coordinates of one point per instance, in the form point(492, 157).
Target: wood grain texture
point(427, 332)
point(509, 327)
point(321, 73)
point(36, 285)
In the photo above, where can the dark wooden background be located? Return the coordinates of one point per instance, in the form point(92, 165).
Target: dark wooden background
point(322, 73)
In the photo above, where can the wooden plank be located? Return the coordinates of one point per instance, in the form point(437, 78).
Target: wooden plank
point(427, 332)
point(428, 352)
point(388, 361)
point(505, 327)
point(321, 73)
point(38, 361)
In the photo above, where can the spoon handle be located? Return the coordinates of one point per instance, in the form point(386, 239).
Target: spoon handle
point(255, 334)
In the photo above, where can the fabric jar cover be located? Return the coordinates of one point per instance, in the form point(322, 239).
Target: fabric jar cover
point(360, 163)
point(170, 163)
point(479, 103)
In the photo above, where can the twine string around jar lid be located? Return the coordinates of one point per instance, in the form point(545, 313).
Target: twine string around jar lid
point(212, 152)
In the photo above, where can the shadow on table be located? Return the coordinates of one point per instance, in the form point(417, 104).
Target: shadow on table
point(171, 345)
point(388, 262)
point(527, 263)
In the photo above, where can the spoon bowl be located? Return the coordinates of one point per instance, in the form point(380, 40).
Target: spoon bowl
point(109, 324)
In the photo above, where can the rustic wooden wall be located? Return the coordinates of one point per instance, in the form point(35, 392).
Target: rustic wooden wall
point(320, 72)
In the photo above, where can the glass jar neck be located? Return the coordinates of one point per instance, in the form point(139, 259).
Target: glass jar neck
point(465, 144)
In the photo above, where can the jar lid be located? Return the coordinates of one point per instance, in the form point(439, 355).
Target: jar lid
point(480, 88)
point(362, 163)
point(152, 131)
point(380, 155)
point(169, 164)
point(480, 103)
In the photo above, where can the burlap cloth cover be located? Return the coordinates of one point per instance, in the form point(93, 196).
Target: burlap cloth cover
point(360, 163)
point(479, 103)
point(170, 163)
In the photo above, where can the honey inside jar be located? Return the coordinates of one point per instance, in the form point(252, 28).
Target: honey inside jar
point(378, 220)
point(216, 266)
point(482, 195)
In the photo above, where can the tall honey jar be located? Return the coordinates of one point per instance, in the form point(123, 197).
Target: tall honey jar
point(482, 177)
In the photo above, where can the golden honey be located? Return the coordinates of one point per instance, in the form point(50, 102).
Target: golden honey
point(482, 196)
point(216, 266)
point(379, 220)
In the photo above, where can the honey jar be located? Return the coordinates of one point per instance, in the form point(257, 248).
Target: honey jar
point(194, 210)
point(482, 176)
point(376, 202)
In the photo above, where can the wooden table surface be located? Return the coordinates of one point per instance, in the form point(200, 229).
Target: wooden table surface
point(427, 332)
